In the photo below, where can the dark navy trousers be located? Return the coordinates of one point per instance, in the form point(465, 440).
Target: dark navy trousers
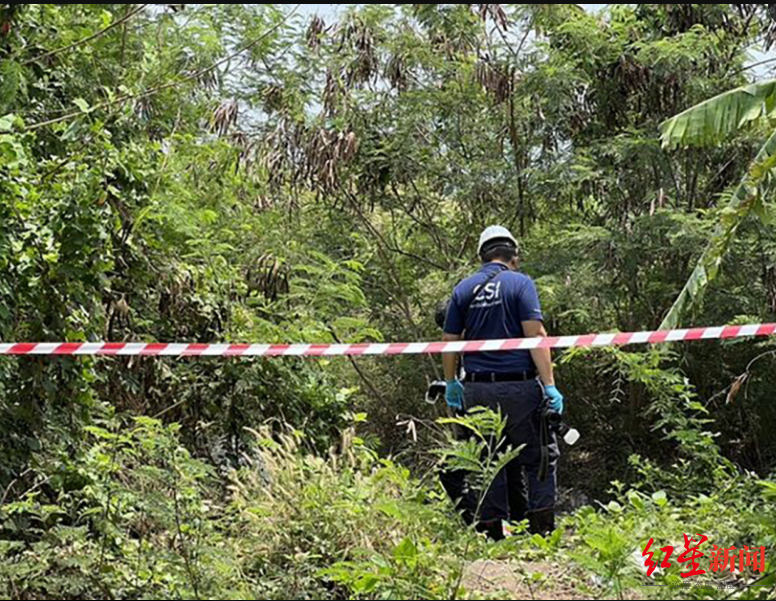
point(520, 403)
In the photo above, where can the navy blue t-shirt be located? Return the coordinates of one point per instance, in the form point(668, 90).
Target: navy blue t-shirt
point(497, 312)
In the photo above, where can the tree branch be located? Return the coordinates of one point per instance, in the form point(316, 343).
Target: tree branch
point(86, 40)
point(754, 66)
point(364, 378)
point(170, 85)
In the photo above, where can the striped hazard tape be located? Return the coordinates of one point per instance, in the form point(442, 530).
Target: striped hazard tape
point(399, 348)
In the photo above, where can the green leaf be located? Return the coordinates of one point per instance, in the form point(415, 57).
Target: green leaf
point(770, 489)
point(367, 583)
point(100, 433)
point(739, 208)
point(7, 122)
point(359, 418)
point(82, 104)
point(405, 551)
point(636, 500)
point(710, 121)
point(11, 82)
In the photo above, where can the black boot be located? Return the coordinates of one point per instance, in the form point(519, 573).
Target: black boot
point(541, 522)
point(494, 529)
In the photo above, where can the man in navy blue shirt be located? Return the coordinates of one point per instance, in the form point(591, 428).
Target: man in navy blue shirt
point(495, 303)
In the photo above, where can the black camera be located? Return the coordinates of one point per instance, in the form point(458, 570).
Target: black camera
point(435, 392)
point(555, 423)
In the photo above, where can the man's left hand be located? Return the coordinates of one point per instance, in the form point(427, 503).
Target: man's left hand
point(454, 394)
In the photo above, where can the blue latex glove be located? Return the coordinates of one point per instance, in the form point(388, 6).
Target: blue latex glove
point(555, 397)
point(454, 394)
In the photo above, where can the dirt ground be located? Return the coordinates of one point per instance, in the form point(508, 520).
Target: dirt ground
point(519, 581)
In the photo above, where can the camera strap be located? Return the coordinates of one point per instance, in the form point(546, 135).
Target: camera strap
point(544, 442)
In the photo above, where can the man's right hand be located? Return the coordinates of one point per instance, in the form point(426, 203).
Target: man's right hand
point(555, 397)
point(454, 394)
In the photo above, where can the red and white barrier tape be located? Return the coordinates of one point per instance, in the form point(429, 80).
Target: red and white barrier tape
point(400, 348)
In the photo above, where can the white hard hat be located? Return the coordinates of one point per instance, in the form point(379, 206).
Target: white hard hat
point(495, 232)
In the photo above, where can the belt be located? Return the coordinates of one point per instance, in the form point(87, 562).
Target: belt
point(522, 376)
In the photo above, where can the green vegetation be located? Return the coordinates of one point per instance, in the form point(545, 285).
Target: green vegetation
point(233, 173)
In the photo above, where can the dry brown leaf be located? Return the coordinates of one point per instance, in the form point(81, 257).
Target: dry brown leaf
point(735, 388)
